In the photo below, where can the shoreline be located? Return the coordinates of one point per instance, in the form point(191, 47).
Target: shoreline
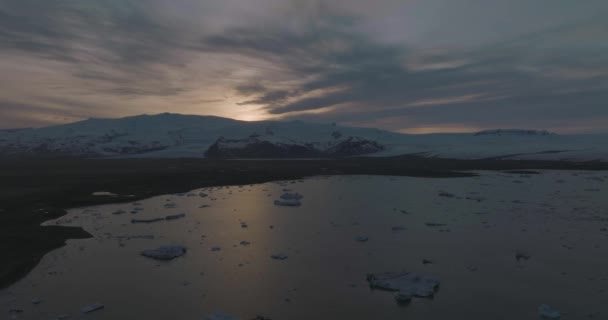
point(35, 190)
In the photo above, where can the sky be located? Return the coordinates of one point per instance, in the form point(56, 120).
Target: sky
point(414, 66)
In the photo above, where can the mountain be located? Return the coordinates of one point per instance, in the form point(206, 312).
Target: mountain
point(513, 132)
point(257, 146)
point(175, 135)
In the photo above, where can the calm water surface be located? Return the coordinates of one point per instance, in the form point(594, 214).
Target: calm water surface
point(557, 219)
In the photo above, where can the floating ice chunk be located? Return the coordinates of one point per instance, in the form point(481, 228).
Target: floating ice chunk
point(146, 220)
point(279, 256)
point(288, 203)
point(522, 256)
point(91, 308)
point(290, 196)
point(475, 198)
point(164, 252)
point(14, 311)
point(403, 297)
point(221, 316)
point(406, 283)
point(103, 193)
point(361, 238)
point(175, 216)
point(546, 312)
point(434, 224)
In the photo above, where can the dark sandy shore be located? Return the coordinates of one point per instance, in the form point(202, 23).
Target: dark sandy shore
point(33, 190)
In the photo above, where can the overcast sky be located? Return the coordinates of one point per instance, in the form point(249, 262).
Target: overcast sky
point(409, 65)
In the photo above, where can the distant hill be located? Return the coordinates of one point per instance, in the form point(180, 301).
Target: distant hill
point(513, 132)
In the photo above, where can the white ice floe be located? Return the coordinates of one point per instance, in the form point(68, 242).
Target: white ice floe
point(221, 316)
point(279, 256)
point(290, 196)
point(402, 297)
point(165, 252)
point(92, 307)
point(406, 283)
point(361, 238)
point(288, 203)
point(546, 312)
point(103, 193)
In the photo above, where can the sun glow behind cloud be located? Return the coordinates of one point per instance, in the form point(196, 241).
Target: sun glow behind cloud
point(485, 64)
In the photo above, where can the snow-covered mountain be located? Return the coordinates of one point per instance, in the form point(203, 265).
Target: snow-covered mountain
point(174, 135)
point(267, 146)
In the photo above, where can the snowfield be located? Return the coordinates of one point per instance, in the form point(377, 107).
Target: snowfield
point(174, 135)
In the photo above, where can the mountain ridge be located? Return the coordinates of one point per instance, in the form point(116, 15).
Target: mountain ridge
point(177, 135)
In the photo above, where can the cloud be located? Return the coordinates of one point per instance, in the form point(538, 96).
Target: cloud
point(120, 47)
point(391, 64)
point(269, 98)
point(514, 78)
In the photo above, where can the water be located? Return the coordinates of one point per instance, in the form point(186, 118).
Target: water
point(557, 218)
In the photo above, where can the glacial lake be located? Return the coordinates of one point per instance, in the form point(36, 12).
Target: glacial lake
point(501, 245)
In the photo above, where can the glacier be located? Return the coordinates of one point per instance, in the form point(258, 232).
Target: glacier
point(174, 135)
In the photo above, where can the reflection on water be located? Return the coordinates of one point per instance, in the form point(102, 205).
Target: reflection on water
point(501, 245)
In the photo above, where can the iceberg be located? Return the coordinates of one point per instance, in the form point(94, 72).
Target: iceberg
point(165, 252)
point(288, 203)
point(406, 284)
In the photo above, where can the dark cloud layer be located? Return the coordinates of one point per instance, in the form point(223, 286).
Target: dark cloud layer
point(397, 65)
